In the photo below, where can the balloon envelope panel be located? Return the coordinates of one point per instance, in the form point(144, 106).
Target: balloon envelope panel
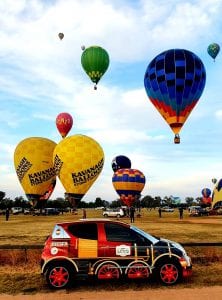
point(174, 81)
point(78, 161)
point(33, 161)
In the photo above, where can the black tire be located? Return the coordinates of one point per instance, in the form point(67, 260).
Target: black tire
point(105, 215)
point(59, 275)
point(169, 272)
point(118, 216)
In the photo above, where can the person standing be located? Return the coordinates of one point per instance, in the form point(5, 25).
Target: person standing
point(181, 212)
point(84, 213)
point(160, 212)
point(7, 213)
point(132, 212)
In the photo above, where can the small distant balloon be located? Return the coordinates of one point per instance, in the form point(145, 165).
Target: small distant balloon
point(121, 162)
point(61, 35)
point(213, 50)
point(214, 180)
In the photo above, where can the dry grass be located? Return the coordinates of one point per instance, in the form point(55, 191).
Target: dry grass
point(28, 230)
point(20, 270)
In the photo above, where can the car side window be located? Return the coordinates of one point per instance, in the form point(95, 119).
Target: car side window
point(117, 233)
point(84, 231)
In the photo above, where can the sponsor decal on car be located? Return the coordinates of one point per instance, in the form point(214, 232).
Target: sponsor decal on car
point(123, 250)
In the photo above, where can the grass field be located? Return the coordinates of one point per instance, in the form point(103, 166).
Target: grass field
point(20, 272)
point(28, 229)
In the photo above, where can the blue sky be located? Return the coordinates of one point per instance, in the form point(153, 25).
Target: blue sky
point(41, 76)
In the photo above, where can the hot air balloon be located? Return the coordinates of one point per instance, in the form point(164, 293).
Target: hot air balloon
point(64, 123)
point(214, 180)
point(217, 196)
point(206, 192)
point(206, 200)
point(78, 161)
point(213, 50)
point(174, 81)
point(33, 160)
point(121, 162)
point(128, 184)
point(61, 35)
point(95, 62)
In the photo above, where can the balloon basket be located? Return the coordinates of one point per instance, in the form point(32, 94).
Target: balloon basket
point(176, 139)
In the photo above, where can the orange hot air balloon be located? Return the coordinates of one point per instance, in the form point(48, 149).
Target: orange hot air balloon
point(64, 123)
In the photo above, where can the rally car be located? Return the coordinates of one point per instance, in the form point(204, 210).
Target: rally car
point(107, 249)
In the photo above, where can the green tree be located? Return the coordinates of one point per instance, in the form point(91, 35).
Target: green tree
point(147, 201)
point(189, 201)
point(2, 195)
point(98, 202)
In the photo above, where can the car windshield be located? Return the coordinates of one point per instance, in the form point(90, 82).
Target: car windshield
point(145, 234)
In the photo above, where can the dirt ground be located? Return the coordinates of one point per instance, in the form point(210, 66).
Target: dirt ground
point(206, 293)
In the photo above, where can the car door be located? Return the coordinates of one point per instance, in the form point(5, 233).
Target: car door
point(115, 240)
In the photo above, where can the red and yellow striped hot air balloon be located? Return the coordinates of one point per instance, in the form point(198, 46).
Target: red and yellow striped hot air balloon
point(128, 184)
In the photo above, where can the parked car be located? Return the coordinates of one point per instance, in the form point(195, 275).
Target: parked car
point(198, 212)
point(115, 212)
point(104, 249)
point(27, 211)
point(167, 209)
point(50, 211)
point(16, 210)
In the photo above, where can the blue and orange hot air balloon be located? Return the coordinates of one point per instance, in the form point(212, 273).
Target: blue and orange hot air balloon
point(206, 200)
point(128, 184)
point(174, 82)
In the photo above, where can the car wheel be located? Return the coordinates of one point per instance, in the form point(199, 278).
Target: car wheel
point(58, 276)
point(118, 216)
point(138, 270)
point(108, 271)
point(105, 215)
point(169, 272)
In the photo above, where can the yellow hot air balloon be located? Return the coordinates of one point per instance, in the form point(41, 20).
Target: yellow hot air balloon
point(33, 161)
point(78, 161)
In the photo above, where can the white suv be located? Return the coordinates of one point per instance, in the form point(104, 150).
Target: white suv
point(115, 212)
point(16, 210)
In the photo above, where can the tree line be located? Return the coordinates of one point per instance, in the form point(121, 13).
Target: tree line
point(61, 203)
